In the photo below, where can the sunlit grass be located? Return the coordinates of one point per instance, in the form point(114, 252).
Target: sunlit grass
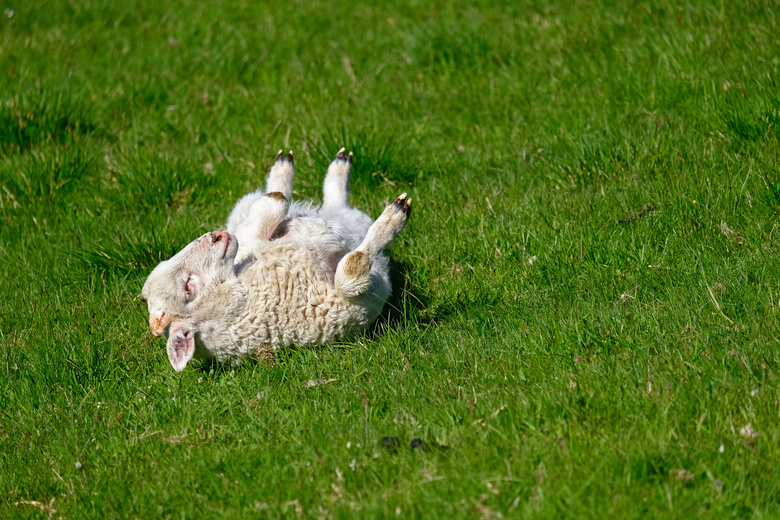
point(585, 310)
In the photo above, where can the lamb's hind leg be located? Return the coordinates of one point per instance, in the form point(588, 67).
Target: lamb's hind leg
point(335, 189)
point(353, 273)
point(280, 178)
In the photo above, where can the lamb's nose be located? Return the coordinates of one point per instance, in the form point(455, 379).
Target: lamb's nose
point(216, 236)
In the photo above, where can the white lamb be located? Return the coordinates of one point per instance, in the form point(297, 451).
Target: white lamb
point(282, 273)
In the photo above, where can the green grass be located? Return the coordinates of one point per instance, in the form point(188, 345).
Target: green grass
point(578, 356)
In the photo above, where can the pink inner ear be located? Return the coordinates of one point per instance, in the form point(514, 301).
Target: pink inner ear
point(181, 347)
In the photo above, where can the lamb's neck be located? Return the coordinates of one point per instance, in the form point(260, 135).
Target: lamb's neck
point(218, 331)
point(230, 300)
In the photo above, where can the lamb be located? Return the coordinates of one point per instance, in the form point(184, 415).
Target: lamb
point(281, 273)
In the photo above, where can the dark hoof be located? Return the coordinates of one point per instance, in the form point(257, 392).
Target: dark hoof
point(403, 204)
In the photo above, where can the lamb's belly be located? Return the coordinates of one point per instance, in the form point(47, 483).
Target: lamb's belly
point(303, 314)
point(309, 313)
point(298, 305)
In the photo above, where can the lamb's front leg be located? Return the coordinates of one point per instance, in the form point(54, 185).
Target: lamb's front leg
point(353, 273)
point(280, 179)
point(265, 215)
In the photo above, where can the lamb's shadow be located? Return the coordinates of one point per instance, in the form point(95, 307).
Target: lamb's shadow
point(410, 303)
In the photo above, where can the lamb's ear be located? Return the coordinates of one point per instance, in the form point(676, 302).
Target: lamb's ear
point(181, 346)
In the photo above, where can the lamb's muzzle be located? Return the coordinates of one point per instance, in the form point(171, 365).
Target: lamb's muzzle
point(158, 323)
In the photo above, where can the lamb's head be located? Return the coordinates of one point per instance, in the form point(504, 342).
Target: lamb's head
point(187, 289)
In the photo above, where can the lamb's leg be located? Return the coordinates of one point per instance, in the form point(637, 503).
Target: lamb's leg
point(353, 273)
point(265, 215)
point(280, 178)
point(335, 189)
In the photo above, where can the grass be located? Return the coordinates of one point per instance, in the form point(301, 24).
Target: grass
point(586, 299)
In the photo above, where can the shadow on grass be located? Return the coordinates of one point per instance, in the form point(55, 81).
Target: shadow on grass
point(413, 304)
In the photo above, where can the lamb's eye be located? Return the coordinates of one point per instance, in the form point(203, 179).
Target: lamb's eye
point(189, 290)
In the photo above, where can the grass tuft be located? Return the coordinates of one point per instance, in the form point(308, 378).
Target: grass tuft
point(122, 253)
point(144, 179)
point(46, 179)
point(379, 156)
point(30, 120)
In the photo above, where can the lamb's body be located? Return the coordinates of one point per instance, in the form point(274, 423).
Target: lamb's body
point(290, 299)
point(295, 274)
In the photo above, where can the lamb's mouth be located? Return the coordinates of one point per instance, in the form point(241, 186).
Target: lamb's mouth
point(228, 240)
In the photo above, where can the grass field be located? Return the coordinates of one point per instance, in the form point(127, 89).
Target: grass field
point(586, 301)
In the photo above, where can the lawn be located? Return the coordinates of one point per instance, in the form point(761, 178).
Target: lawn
point(585, 317)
